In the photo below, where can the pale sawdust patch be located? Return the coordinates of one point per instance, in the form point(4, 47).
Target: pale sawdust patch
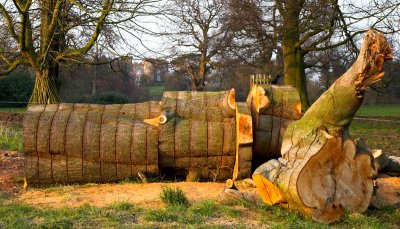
point(100, 195)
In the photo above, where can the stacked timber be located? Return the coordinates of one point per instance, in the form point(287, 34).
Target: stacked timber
point(197, 134)
point(77, 143)
point(273, 108)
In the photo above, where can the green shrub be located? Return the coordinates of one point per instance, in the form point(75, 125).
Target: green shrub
point(111, 97)
point(174, 197)
point(16, 87)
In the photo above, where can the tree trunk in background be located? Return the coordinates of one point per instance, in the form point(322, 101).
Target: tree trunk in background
point(294, 71)
point(293, 56)
point(322, 172)
point(45, 90)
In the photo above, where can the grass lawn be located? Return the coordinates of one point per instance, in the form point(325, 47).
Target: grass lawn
point(156, 92)
point(10, 137)
point(380, 110)
point(13, 109)
point(205, 214)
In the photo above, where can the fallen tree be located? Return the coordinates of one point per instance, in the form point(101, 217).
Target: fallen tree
point(322, 172)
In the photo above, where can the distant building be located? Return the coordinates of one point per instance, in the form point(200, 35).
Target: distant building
point(149, 71)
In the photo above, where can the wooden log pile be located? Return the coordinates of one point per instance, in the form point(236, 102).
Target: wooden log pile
point(322, 172)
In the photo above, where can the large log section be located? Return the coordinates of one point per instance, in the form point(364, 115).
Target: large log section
point(273, 108)
point(322, 172)
point(77, 143)
point(194, 134)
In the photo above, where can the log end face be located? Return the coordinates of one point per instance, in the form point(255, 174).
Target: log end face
point(245, 129)
point(232, 99)
point(162, 119)
point(336, 179)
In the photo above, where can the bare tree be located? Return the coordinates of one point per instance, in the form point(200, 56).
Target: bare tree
point(195, 30)
point(42, 34)
point(254, 30)
point(301, 28)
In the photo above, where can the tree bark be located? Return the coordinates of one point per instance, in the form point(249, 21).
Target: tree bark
point(293, 55)
point(45, 89)
point(294, 71)
point(322, 172)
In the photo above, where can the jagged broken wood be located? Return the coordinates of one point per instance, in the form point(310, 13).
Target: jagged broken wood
point(322, 172)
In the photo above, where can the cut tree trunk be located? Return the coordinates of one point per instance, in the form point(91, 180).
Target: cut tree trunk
point(322, 172)
point(197, 134)
point(272, 108)
point(78, 143)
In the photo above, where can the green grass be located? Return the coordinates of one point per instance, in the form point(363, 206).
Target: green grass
point(24, 216)
point(195, 214)
point(13, 109)
point(156, 92)
point(174, 197)
point(10, 137)
point(379, 110)
point(205, 214)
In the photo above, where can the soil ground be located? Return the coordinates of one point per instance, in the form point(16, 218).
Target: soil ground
point(99, 195)
point(11, 172)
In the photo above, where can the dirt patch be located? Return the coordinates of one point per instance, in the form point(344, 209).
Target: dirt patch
point(11, 117)
point(100, 195)
point(11, 172)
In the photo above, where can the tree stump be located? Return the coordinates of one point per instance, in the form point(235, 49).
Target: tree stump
point(322, 172)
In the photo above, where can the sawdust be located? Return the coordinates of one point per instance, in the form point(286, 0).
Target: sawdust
point(100, 195)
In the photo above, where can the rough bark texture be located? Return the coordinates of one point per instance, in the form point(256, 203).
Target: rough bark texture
point(77, 143)
point(194, 134)
point(198, 138)
point(322, 172)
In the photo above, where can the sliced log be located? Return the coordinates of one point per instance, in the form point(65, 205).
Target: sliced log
point(322, 172)
point(76, 143)
point(272, 108)
point(197, 133)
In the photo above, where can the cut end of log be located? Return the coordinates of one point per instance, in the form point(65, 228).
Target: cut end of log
point(380, 159)
point(231, 99)
point(270, 193)
point(162, 119)
point(230, 184)
point(334, 179)
point(245, 129)
point(257, 99)
point(263, 100)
